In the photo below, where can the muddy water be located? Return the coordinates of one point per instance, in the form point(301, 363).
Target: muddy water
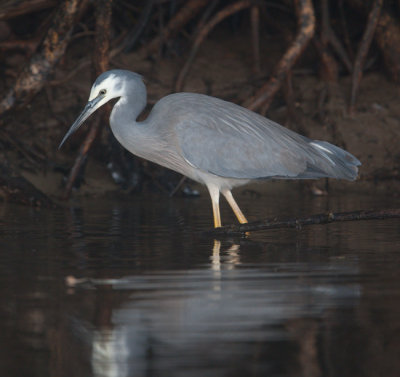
point(149, 295)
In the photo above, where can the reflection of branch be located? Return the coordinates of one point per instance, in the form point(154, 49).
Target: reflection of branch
point(323, 218)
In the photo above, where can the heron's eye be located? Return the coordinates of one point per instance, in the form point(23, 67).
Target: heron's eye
point(102, 92)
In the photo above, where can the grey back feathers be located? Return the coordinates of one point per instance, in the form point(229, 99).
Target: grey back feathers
point(230, 141)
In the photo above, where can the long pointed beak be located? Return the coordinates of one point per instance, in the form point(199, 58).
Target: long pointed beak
point(89, 109)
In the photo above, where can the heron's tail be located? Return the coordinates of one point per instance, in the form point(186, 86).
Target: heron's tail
point(338, 162)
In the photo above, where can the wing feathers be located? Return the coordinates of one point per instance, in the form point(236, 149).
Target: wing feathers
point(230, 141)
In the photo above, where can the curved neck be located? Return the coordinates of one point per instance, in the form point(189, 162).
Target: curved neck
point(137, 137)
point(128, 108)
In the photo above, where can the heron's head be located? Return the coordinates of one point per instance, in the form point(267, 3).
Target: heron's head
point(109, 85)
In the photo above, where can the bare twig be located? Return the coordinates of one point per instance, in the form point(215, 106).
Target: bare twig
point(363, 50)
point(329, 71)
point(345, 31)
point(329, 36)
point(208, 12)
point(10, 9)
point(178, 186)
point(221, 15)
point(306, 20)
point(255, 37)
point(29, 45)
point(185, 14)
point(35, 74)
point(132, 37)
point(101, 59)
point(387, 37)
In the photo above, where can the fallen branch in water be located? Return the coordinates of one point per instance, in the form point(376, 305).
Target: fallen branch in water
point(324, 218)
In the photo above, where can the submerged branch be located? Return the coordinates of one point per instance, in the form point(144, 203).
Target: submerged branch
point(324, 218)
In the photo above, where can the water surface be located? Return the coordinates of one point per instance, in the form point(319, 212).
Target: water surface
point(152, 296)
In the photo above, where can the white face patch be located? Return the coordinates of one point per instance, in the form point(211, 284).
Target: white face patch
point(111, 84)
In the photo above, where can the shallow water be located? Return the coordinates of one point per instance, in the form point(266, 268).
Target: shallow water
point(150, 295)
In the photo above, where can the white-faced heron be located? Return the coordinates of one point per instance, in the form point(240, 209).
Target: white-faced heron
point(211, 141)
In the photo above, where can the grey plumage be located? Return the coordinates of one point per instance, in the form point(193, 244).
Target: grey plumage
point(212, 141)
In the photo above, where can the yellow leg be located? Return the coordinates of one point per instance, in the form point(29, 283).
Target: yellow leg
point(239, 214)
point(214, 193)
